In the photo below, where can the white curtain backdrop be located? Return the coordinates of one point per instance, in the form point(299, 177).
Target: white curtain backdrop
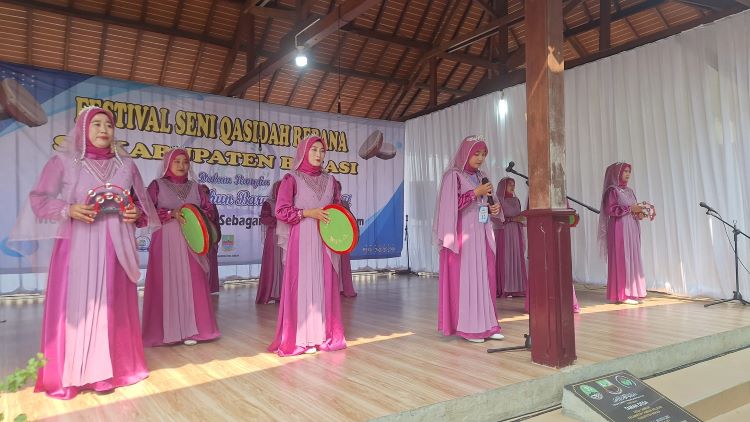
point(677, 109)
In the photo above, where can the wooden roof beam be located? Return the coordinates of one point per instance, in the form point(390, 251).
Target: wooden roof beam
point(623, 13)
point(74, 12)
point(340, 16)
point(487, 7)
point(468, 59)
point(389, 38)
point(715, 5)
point(272, 12)
point(293, 15)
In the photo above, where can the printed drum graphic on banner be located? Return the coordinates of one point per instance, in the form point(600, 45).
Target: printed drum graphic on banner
point(237, 149)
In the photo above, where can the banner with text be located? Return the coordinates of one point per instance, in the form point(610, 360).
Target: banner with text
point(238, 149)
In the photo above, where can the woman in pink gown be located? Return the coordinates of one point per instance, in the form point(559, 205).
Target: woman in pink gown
point(310, 311)
point(467, 287)
point(91, 335)
point(177, 304)
point(271, 267)
point(509, 235)
point(620, 237)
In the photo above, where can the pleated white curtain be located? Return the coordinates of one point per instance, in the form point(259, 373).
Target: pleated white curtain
point(677, 109)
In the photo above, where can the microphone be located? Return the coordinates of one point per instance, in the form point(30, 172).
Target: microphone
point(490, 199)
point(509, 169)
point(707, 207)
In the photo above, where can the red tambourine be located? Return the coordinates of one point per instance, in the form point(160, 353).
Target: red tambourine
point(196, 229)
point(109, 199)
point(341, 233)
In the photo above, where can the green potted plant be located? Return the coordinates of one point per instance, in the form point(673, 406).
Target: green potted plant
point(19, 379)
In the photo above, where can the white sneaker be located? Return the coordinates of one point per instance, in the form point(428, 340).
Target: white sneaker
point(189, 342)
point(475, 340)
point(311, 351)
point(496, 336)
point(630, 302)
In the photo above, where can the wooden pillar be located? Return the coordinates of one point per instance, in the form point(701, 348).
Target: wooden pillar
point(550, 271)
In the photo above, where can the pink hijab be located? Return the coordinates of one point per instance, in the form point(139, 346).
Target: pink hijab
point(502, 188)
point(445, 223)
point(82, 146)
point(612, 180)
point(301, 162)
point(166, 170)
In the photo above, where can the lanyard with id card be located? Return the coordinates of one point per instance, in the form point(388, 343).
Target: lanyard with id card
point(484, 210)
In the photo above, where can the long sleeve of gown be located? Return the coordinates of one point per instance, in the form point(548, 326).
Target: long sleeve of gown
point(613, 208)
point(285, 209)
point(206, 205)
point(465, 199)
point(44, 198)
point(142, 220)
point(267, 217)
point(153, 192)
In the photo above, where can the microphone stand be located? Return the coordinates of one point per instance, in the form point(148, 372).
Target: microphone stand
point(509, 169)
point(408, 270)
point(527, 342)
point(736, 294)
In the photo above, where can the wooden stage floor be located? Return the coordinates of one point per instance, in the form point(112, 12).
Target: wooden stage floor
point(396, 360)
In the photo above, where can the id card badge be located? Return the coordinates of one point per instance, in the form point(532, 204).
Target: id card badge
point(484, 214)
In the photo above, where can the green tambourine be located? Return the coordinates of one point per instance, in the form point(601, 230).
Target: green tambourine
point(341, 233)
point(196, 229)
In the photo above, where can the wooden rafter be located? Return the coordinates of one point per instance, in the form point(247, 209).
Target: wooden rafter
point(396, 68)
point(140, 24)
point(341, 15)
point(457, 43)
point(487, 7)
point(175, 24)
point(103, 39)
point(375, 24)
point(418, 69)
point(605, 27)
point(714, 5)
point(303, 8)
point(239, 35)
point(436, 37)
point(142, 21)
point(199, 52)
point(29, 50)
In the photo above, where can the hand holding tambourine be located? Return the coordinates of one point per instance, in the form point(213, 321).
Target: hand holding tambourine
point(647, 211)
point(199, 231)
point(109, 199)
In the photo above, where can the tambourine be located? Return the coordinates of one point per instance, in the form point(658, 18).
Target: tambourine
point(199, 231)
point(341, 233)
point(649, 211)
point(109, 199)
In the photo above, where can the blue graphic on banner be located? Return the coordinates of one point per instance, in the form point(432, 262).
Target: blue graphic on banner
point(382, 236)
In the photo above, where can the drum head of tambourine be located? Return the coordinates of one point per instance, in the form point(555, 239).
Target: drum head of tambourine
point(341, 233)
point(195, 229)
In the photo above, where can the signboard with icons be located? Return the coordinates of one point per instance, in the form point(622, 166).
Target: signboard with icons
point(623, 397)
